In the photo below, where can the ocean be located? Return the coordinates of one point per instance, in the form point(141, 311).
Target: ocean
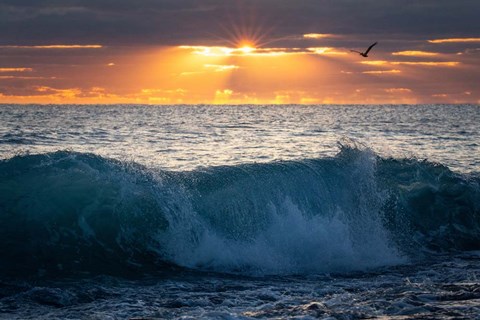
point(239, 212)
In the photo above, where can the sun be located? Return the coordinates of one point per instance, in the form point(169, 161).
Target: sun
point(246, 47)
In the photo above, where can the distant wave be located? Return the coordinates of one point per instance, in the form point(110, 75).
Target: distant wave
point(68, 212)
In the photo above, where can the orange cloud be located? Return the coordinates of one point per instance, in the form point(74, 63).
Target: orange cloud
point(223, 96)
point(57, 46)
point(415, 53)
point(412, 63)
point(428, 63)
point(45, 94)
point(25, 78)
point(257, 75)
point(318, 35)
point(221, 68)
point(453, 40)
point(393, 71)
point(294, 96)
point(375, 62)
point(155, 91)
point(398, 90)
point(326, 51)
point(59, 93)
point(215, 51)
point(209, 51)
point(16, 69)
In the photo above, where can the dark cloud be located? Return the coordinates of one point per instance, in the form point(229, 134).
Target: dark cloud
point(163, 22)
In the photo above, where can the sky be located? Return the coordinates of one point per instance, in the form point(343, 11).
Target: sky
point(239, 51)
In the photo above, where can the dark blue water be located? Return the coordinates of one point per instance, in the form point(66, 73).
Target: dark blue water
point(119, 212)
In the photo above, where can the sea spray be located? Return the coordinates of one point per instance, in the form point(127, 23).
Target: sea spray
point(290, 217)
point(68, 212)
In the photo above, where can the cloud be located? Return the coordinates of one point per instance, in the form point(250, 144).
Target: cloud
point(214, 51)
point(414, 53)
point(167, 22)
point(68, 93)
point(75, 39)
point(319, 35)
point(398, 90)
point(16, 69)
point(412, 63)
point(54, 46)
point(375, 62)
point(474, 51)
point(393, 71)
point(45, 94)
point(178, 91)
point(454, 40)
point(210, 51)
point(221, 68)
point(26, 78)
point(427, 63)
point(326, 51)
point(223, 96)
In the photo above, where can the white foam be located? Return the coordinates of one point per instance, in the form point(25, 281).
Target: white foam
point(293, 243)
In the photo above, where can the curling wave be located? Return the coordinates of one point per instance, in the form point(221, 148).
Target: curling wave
point(67, 212)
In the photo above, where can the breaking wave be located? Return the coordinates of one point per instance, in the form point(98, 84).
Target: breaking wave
point(68, 212)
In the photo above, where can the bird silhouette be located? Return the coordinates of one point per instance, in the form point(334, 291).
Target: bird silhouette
point(365, 54)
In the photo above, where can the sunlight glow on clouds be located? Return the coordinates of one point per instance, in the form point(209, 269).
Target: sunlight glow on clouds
point(61, 93)
point(454, 40)
point(210, 51)
point(326, 50)
point(56, 46)
point(15, 69)
point(412, 63)
point(415, 53)
point(223, 96)
point(375, 62)
point(26, 78)
point(280, 51)
point(427, 63)
point(398, 90)
point(214, 51)
point(393, 71)
point(319, 35)
point(221, 68)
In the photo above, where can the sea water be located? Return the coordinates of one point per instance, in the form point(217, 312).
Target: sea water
point(239, 212)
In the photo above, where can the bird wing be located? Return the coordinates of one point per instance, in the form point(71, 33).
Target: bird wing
point(355, 51)
point(370, 48)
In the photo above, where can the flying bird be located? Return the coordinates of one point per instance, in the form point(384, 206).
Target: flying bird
point(365, 54)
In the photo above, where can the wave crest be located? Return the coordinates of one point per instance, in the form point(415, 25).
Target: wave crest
point(73, 212)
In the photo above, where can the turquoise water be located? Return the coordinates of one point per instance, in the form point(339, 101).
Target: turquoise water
point(117, 212)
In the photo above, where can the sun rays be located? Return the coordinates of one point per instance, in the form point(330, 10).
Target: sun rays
point(243, 63)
